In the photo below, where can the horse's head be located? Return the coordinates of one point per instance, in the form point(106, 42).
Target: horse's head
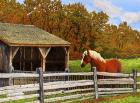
point(90, 56)
point(85, 58)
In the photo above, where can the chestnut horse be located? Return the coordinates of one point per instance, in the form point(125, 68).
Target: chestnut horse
point(102, 65)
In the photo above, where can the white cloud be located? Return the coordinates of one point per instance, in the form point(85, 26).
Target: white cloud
point(116, 12)
point(108, 7)
point(131, 17)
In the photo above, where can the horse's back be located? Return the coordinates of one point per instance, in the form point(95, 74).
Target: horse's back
point(113, 65)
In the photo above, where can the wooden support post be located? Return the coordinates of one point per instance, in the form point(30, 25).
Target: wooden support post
point(44, 52)
point(95, 82)
point(13, 51)
point(10, 61)
point(41, 90)
point(31, 58)
point(24, 59)
point(44, 64)
point(66, 63)
point(67, 59)
point(135, 80)
point(20, 59)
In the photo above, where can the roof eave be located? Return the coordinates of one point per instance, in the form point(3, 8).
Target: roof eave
point(39, 45)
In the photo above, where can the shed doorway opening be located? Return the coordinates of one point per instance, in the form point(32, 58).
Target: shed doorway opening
point(55, 60)
point(27, 59)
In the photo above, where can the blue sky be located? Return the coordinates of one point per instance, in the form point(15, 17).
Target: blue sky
point(118, 10)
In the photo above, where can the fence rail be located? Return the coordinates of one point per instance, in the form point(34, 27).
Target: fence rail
point(26, 75)
point(55, 87)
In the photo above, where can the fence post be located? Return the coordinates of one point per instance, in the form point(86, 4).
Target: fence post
point(135, 80)
point(41, 90)
point(95, 82)
point(66, 77)
point(11, 80)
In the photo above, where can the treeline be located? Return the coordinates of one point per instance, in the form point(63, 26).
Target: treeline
point(75, 24)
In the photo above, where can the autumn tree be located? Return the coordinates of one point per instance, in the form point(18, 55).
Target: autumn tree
point(75, 24)
point(10, 11)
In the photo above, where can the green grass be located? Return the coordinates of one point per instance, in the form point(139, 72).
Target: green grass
point(21, 101)
point(75, 66)
point(127, 65)
point(3, 96)
point(130, 99)
point(126, 99)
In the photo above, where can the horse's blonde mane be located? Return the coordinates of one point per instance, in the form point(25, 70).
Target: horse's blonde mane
point(94, 55)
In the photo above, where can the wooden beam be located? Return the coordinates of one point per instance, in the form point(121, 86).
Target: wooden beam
point(67, 59)
point(20, 58)
point(44, 64)
point(44, 52)
point(24, 58)
point(31, 59)
point(13, 51)
point(10, 57)
point(68, 97)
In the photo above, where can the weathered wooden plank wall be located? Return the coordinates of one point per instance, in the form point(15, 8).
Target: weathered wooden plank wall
point(4, 58)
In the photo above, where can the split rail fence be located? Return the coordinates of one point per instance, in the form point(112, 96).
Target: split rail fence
point(65, 87)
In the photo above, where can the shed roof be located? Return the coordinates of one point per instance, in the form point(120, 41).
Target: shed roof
point(28, 35)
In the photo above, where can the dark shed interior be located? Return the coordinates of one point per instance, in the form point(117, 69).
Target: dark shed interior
point(55, 60)
point(27, 59)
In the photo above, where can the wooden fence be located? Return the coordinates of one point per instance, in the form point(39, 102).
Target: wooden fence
point(65, 87)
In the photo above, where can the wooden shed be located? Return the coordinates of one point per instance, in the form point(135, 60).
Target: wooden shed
point(26, 47)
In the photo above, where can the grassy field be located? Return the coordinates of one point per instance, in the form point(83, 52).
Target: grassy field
point(129, 99)
point(127, 65)
point(125, 98)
